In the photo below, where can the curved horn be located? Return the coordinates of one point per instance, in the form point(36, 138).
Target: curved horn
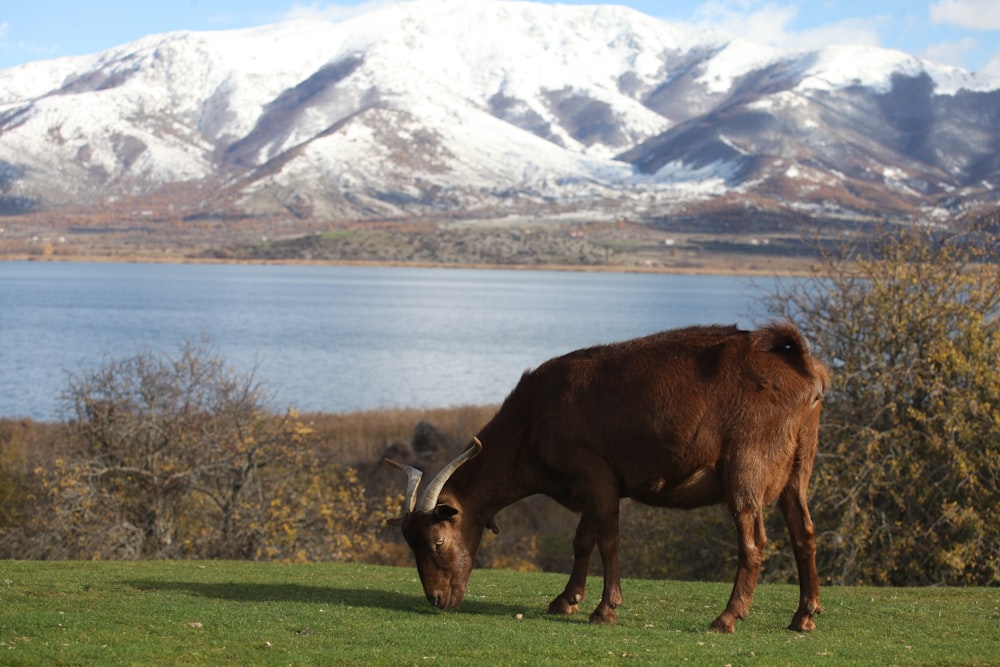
point(412, 482)
point(429, 498)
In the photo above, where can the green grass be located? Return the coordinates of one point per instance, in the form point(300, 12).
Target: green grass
point(81, 613)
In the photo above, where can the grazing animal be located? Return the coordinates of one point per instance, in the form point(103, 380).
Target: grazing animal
point(682, 418)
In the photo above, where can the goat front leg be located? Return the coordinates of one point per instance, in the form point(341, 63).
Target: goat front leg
point(568, 601)
point(607, 545)
point(752, 539)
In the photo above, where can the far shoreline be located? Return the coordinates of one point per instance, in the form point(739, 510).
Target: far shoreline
point(722, 266)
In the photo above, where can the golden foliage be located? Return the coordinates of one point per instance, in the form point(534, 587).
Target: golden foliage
point(907, 482)
point(321, 512)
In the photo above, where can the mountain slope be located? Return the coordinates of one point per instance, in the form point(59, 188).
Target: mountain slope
point(445, 108)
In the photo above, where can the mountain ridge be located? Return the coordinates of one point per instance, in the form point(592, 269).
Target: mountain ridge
point(455, 110)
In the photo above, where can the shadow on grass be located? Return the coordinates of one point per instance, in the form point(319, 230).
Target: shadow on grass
point(328, 595)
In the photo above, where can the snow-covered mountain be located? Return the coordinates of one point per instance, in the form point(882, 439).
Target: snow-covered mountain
point(452, 108)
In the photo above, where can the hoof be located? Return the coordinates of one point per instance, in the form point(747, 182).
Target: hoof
point(803, 619)
point(604, 616)
point(722, 626)
point(561, 607)
point(806, 624)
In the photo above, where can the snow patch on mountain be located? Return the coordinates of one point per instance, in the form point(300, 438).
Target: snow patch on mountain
point(845, 66)
point(447, 105)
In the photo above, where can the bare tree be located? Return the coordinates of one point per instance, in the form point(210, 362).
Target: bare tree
point(169, 446)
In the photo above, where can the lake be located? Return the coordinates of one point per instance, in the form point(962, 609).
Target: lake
point(335, 338)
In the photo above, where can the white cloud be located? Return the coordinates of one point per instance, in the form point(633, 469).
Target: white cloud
point(951, 53)
point(973, 14)
point(770, 23)
point(992, 68)
point(848, 31)
point(766, 24)
point(334, 12)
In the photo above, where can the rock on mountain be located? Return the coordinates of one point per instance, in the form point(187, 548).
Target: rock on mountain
point(452, 109)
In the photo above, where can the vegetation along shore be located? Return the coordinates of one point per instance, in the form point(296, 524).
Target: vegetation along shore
point(524, 245)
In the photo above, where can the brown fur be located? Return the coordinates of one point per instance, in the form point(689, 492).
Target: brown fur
point(683, 418)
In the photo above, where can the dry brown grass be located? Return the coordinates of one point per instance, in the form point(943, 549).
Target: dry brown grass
point(363, 437)
point(26, 444)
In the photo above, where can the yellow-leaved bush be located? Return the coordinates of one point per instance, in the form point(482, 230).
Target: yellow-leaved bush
point(906, 487)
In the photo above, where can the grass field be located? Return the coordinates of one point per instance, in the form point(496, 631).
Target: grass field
point(239, 613)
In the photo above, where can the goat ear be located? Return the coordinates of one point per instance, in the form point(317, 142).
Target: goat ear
point(444, 512)
point(395, 522)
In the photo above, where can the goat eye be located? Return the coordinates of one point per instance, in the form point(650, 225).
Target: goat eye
point(439, 543)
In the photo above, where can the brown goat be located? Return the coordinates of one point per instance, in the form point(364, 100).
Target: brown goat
point(683, 418)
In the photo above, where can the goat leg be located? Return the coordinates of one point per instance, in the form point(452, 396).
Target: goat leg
point(802, 535)
point(607, 545)
point(752, 539)
point(568, 601)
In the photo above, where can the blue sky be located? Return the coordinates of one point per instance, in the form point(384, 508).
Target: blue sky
point(956, 32)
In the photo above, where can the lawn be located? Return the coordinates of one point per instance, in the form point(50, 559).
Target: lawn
point(239, 613)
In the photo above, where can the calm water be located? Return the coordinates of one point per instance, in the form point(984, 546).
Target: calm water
point(334, 338)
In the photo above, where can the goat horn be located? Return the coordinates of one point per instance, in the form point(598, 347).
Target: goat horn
point(429, 498)
point(412, 482)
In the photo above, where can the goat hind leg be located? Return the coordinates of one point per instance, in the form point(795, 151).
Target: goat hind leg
point(752, 539)
point(800, 526)
point(802, 535)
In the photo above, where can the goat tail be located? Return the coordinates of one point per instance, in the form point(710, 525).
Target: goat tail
point(784, 339)
point(779, 337)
